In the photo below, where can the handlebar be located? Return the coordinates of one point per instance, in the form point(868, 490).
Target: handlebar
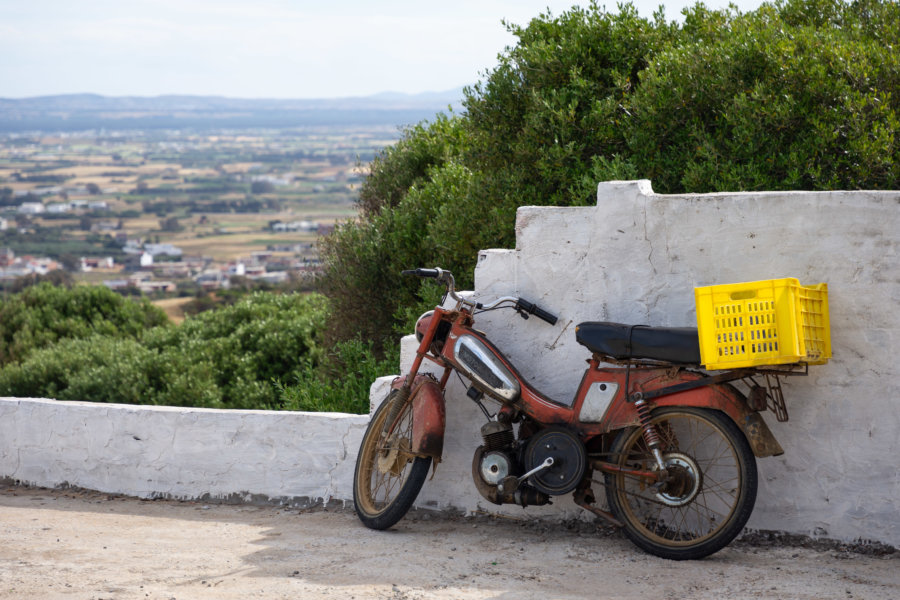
point(524, 307)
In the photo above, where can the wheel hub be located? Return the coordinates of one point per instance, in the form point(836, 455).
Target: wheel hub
point(394, 456)
point(684, 481)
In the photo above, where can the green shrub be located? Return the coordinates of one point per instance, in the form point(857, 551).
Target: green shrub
point(342, 383)
point(778, 104)
point(800, 94)
point(231, 358)
point(107, 369)
point(245, 348)
point(42, 315)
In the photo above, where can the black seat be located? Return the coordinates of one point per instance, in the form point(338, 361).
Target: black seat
point(622, 342)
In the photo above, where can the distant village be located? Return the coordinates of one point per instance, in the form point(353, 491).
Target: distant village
point(160, 267)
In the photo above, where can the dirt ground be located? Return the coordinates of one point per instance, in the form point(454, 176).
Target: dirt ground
point(74, 545)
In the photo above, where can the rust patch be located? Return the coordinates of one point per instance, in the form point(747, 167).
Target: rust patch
point(762, 442)
point(428, 421)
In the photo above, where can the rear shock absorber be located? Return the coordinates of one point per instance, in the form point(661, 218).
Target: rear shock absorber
point(651, 437)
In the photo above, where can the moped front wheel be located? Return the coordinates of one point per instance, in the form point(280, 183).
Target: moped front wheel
point(388, 476)
point(708, 495)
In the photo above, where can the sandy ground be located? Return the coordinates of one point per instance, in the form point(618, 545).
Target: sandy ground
point(70, 544)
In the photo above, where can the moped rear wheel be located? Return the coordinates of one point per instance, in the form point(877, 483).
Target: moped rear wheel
point(388, 476)
point(708, 496)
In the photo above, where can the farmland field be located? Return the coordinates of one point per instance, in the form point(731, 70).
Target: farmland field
point(218, 197)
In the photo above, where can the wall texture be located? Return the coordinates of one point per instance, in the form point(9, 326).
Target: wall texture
point(184, 453)
point(636, 257)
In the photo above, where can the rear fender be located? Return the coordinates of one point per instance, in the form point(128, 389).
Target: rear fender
point(727, 399)
point(721, 397)
point(429, 416)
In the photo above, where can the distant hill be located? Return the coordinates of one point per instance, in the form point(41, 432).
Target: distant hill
point(73, 112)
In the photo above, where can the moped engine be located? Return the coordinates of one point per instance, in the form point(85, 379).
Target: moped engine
point(496, 471)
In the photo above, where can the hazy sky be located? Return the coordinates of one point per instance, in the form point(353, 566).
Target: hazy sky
point(261, 48)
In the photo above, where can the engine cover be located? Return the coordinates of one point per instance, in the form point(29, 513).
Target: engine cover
point(495, 466)
point(569, 460)
point(487, 468)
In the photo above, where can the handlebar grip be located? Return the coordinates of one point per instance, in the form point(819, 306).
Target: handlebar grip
point(430, 273)
point(536, 310)
point(542, 314)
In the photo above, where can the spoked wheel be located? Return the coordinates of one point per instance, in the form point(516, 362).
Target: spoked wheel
point(708, 496)
point(388, 476)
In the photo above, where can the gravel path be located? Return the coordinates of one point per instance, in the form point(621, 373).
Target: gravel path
point(86, 545)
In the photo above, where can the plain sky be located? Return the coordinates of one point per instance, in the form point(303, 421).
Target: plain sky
point(262, 48)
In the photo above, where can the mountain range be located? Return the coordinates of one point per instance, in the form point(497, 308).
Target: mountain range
point(73, 112)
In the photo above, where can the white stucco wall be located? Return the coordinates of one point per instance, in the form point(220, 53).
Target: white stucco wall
point(636, 257)
point(185, 453)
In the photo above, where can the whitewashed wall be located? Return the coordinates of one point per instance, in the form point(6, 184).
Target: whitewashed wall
point(636, 257)
point(184, 453)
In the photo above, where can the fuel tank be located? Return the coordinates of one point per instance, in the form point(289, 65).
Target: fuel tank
point(479, 363)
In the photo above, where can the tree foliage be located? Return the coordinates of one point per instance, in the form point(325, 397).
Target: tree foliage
point(799, 94)
point(44, 314)
point(234, 357)
point(263, 351)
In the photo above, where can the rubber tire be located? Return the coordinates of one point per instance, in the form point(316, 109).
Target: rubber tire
point(390, 514)
point(740, 514)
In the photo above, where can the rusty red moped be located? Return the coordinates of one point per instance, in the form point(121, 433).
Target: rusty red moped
point(673, 446)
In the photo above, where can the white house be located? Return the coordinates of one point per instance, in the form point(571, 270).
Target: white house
point(31, 208)
point(158, 249)
point(89, 263)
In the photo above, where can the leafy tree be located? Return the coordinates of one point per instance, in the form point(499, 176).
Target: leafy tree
point(7, 198)
point(44, 314)
point(799, 94)
point(235, 357)
point(170, 224)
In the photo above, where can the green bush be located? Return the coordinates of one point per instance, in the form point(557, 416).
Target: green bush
point(244, 349)
point(343, 384)
point(787, 100)
point(235, 357)
point(800, 94)
point(42, 315)
point(107, 369)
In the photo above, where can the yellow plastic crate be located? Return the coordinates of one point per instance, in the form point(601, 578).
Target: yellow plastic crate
point(771, 322)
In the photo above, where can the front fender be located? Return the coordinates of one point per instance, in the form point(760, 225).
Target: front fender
point(429, 416)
